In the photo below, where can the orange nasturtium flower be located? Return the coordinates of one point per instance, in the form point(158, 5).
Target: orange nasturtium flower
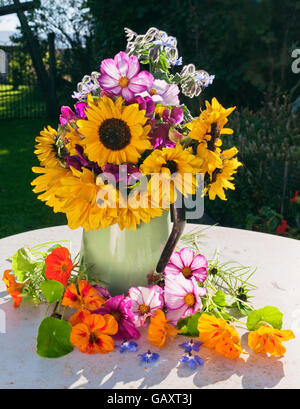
point(93, 334)
point(86, 299)
point(159, 329)
point(268, 340)
point(13, 288)
point(217, 333)
point(59, 265)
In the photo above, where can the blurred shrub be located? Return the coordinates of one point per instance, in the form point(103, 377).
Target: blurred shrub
point(268, 143)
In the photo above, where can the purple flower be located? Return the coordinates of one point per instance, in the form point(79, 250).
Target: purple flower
point(192, 361)
point(79, 161)
point(84, 89)
point(130, 346)
point(127, 173)
point(120, 308)
point(182, 296)
point(174, 117)
point(102, 292)
point(67, 115)
point(191, 346)
point(80, 109)
point(185, 262)
point(145, 301)
point(149, 357)
point(159, 135)
point(121, 76)
point(146, 104)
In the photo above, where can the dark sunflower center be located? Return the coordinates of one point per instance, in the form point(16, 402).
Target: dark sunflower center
point(215, 134)
point(172, 166)
point(114, 134)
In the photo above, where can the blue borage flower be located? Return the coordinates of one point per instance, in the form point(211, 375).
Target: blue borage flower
point(191, 361)
point(191, 346)
point(149, 357)
point(127, 346)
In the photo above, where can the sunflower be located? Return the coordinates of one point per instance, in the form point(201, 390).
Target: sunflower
point(168, 168)
point(211, 159)
point(78, 191)
point(114, 133)
point(46, 148)
point(221, 179)
point(140, 208)
point(48, 182)
point(210, 125)
point(72, 138)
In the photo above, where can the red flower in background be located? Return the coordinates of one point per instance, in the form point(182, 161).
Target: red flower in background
point(59, 265)
point(281, 228)
point(296, 197)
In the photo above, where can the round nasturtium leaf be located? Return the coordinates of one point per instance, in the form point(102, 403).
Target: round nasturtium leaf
point(269, 314)
point(54, 338)
point(52, 290)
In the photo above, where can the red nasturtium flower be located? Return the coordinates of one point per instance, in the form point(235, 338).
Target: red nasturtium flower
point(84, 298)
point(282, 227)
point(13, 288)
point(93, 334)
point(59, 265)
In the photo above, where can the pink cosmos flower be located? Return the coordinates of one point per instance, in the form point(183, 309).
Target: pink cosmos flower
point(121, 76)
point(185, 262)
point(120, 308)
point(164, 93)
point(145, 301)
point(182, 297)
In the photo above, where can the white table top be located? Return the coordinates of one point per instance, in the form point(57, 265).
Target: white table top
point(278, 279)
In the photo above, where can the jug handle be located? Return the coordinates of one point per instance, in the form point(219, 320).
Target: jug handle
point(178, 227)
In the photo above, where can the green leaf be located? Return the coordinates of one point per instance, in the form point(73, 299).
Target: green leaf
point(55, 246)
point(52, 290)
point(23, 264)
point(188, 325)
point(54, 338)
point(268, 314)
point(243, 309)
point(219, 298)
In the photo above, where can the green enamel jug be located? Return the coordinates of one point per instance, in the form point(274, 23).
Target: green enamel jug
point(119, 259)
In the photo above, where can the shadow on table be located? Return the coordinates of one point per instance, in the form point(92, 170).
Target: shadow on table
point(256, 371)
point(114, 370)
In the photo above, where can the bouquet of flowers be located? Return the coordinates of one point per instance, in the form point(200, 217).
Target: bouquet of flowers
point(130, 147)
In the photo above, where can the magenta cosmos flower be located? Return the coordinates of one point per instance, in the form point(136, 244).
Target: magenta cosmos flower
point(145, 301)
point(120, 308)
point(122, 76)
point(182, 297)
point(185, 262)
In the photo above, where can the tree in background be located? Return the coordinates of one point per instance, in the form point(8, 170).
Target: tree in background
point(70, 21)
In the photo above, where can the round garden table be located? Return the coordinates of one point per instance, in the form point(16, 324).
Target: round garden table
point(277, 260)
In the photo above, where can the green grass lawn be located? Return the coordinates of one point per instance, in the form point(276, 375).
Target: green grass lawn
point(20, 210)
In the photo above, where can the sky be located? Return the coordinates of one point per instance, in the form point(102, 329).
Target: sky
point(9, 23)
